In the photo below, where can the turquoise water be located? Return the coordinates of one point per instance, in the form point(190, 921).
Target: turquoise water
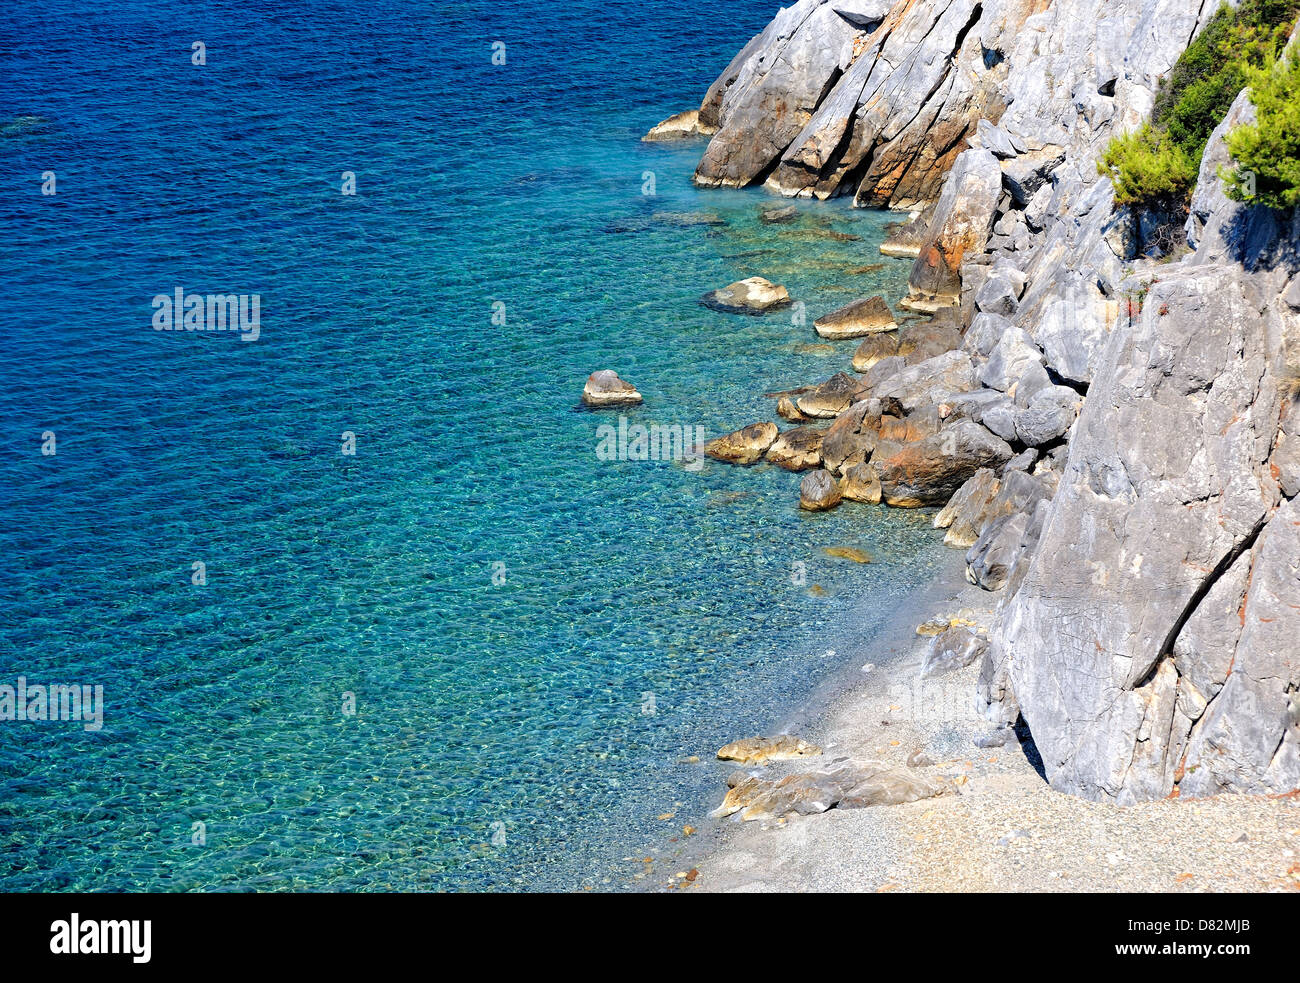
point(499, 738)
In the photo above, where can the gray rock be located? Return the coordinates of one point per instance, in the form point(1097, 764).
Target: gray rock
point(819, 491)
point(1168, 476)
point(1050, 413)
point(985, 332)
point(953, 649)
point(989, 561)
point(997, 296)
point(1010, 359)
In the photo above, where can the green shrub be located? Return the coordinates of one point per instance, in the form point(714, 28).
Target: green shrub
point(1267, 152)
point(1148, 169)
point(1156, 166)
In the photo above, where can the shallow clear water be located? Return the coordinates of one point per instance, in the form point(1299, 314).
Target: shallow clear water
point(500, 737)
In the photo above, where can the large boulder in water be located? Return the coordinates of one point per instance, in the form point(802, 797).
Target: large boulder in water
point(745, 446)
point(605, 388)
point(754, 295)
point(819, 491)
point(871, 315)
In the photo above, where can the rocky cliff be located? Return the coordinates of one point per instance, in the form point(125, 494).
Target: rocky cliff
point(1120, 432)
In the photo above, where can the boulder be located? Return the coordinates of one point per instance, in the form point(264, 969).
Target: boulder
point(990, 559)
point(868, 316)
point(819, 492)
point(963, 222)
point(680, 126)
point(1050, 413)
point(850, 786)
point(985, 332)
point(762, 750)
point(967, 510)
point(921, 340)
point(929, 382)
point(997, 296)
point(852, 437)
point(905, 239)
point(797, 450)
point(754, 295)
point(1009, 359)
point(930, 471)
point(605, 388)
point(786, 410)
point(861, 484)
point(873, 349)
point(745, 446)
point(953, 649)
point(832, 397)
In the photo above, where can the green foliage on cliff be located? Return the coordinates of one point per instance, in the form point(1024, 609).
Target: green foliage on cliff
point(1267, 152)
point(1156, 166)
point(1148, 169)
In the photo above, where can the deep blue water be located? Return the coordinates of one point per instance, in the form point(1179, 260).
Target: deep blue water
point(499, 738)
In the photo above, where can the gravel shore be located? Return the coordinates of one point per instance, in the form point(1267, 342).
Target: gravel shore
point(1002, 828)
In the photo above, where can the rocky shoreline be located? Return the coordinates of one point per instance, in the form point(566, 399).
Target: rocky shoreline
point(1108, 429)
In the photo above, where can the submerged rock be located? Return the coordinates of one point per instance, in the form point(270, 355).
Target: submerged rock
point(745, 446)
point(605, 388)
point(862, 317)
point(754, 295)
point(848, 553)
point(778, 216)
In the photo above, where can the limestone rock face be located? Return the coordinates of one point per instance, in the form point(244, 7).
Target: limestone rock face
point(1167, 483)
point(863, 317)
point(745, 446)
point(754, 295)
point(963, 222)
point(775, 86)
point(605, 388)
